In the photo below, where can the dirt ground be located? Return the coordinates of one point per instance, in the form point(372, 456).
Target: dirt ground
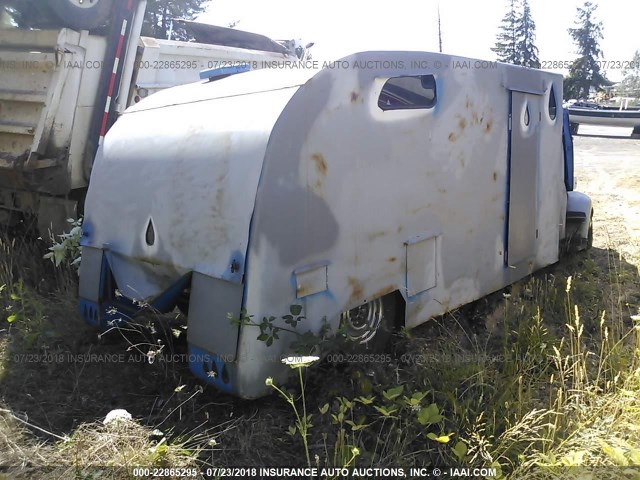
point(607, 167)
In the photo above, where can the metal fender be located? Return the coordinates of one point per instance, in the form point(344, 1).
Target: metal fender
point(579, 213)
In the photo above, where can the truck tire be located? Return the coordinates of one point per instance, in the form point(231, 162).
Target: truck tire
point(590, 232)
point(369, 327)
point(82, 14)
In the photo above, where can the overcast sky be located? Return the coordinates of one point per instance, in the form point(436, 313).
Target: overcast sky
point(469, 28)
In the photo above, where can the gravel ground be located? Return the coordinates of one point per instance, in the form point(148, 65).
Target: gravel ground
point(607, 164)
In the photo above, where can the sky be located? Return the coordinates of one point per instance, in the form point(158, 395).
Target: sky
point(469, 28)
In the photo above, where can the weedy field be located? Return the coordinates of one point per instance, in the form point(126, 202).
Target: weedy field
point(538, 381)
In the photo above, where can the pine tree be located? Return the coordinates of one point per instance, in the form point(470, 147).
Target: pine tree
point(585, 71)
point(526, 33)
point(507, 40)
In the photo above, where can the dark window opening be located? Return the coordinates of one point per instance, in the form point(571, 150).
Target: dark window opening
point(552, 104)
point(526, 116)
point(404, 93)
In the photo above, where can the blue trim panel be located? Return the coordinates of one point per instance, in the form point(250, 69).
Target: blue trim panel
point(507, 199)
point(112, 310)
point(214, 73)
point(210, 368)
point(567, 147)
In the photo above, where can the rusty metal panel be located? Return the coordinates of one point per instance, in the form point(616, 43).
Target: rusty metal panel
point(310, 280)
point(44, 82)
point(523, 176)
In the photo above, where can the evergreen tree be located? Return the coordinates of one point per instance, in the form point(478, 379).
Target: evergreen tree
point(585, 70)
point(526, 33)
point(507, 40)
point(630, 85)
point(515, 42)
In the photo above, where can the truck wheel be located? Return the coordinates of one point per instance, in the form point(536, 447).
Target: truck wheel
point(82, 14)
point(590, 233)
point(370, 326)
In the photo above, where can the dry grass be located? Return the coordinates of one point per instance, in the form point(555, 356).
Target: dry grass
point(112, 450)
point(518, 379)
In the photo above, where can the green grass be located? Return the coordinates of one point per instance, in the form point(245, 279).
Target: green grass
point(531, 381)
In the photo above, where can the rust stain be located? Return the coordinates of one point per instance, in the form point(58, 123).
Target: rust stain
point(383, 291)
point(391, 259)
point(495, 176)
point(301, 291)
point(150, 261)
point(474, 118)
point(462, 123)
point(452, 137)
point(321, 168)
point(487, 127)
point(321, 164)
point(356, 289)
point(354, 96)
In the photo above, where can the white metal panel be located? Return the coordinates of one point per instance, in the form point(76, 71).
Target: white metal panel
point(191, 168)
point(341, 182)
point(526, 111)
point(166, 63)
point(421, 264)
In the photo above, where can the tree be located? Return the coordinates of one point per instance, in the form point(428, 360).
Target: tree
point(506, 41)
point(515, 41)
point(27, 14)
point(526, 33)
point(157, 19)
point(160, 13)
point(630, 85)
point(585, 70)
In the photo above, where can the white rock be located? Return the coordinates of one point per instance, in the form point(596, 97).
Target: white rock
point(117, 415)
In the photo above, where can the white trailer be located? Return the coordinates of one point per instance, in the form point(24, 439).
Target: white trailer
point(380, 191)
point(62, 89)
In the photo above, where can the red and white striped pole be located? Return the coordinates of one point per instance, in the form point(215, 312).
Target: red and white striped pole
point(114, 72)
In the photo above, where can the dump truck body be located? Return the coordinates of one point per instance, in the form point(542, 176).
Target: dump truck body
point(62, 89)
